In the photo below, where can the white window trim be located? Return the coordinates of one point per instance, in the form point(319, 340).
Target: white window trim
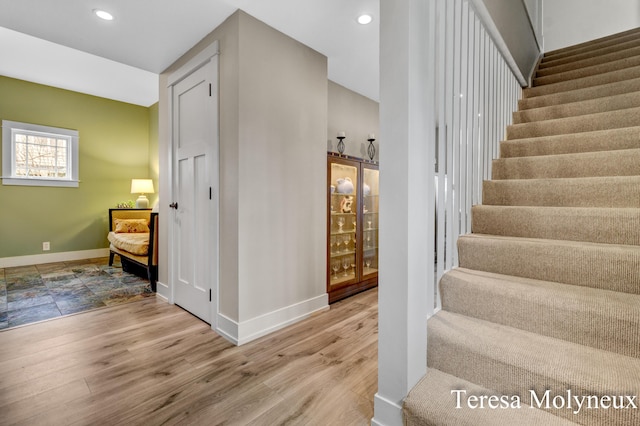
point(8, 176)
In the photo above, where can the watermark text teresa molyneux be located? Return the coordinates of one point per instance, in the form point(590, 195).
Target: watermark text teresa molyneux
point(546, 400)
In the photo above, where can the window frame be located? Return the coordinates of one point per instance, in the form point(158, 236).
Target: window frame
point(8, 155)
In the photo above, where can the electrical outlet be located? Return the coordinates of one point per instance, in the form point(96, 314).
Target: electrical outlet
point(46, 246)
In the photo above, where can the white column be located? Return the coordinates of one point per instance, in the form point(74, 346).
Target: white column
point(407, 202)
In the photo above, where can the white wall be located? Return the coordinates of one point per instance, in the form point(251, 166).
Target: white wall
point(282, 173)
point(568, 22)
point(534, 9)
point(273, 125)
point(357, 116)
point(511, 18)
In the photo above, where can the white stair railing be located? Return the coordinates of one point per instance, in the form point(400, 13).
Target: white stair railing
point(476, 92)
point(448, 88)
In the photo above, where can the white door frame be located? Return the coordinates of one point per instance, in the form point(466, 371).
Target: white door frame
point(209, 54)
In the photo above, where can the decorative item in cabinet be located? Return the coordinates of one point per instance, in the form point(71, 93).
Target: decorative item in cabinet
point(352, 229)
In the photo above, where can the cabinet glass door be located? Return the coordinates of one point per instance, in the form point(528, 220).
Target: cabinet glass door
point(370, 198)
point(343, 224)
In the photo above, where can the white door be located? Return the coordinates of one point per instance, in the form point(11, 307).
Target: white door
point(194, 176)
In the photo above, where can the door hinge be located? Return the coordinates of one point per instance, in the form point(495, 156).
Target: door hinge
point(209, 295)
point(209, 89)
point(209, 192)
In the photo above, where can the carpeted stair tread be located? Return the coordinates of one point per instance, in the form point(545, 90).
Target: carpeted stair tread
point(546, 297)
point(590, 224)
point(620, 64)
point(629, 117)
point(516, 362)
point(600, 140)
point(591, 57)
point(582, 315)
point(604, 266)
point(623, 162)
point(587, 93)
point(574, 109)
point(593, 45)
point(610, 191)
point(584, 82)
point(431, 403)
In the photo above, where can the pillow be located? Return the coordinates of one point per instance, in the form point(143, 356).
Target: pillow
point(131, 225)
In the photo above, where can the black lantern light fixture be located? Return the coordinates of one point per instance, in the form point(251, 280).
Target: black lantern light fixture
point(341, 137)
point(371, 150)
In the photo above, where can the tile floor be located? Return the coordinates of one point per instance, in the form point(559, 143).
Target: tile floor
point(39, 292)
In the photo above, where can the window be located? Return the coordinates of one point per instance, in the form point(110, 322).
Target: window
point(39, 155)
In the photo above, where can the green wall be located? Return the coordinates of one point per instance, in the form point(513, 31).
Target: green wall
point(115, 145)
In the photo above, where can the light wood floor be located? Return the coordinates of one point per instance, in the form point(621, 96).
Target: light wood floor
point(151, 363)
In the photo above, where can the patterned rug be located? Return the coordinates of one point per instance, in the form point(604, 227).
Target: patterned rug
point(40, 292)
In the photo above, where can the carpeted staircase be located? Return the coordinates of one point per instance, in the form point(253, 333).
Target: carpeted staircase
point(547, 295)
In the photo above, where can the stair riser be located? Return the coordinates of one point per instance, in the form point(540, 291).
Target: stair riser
point(506, 374)
point(588, 71)
point(596, 57)
point(589, 93)
point(575, 109)
point(596, 192)
point(599, 319)
point(607, 140)
point(581, 83)
point(585, 123)
point(597, 266)
point(605, 226)
point(593, 45)
point(605, 163)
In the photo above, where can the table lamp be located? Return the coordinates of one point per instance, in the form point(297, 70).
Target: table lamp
point(142, 186)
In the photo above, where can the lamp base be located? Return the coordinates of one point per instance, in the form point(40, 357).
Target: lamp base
point(142, 202)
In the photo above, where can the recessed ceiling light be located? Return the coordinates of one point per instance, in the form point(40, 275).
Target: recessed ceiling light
point(103, 14)
point(364, 19)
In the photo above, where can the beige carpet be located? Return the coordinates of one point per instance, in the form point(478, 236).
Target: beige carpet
point(544, 309)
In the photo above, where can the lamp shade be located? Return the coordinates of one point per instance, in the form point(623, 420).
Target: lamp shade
point(142, 186)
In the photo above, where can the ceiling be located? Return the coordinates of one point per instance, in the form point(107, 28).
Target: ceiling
point(63, 44)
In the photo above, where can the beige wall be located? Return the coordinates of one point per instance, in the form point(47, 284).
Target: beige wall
point(570, 22)
point(512, 20)
point(283, 120)
point(273, 123)
point(354, 114)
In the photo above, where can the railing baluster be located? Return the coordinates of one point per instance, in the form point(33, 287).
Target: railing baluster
point(475, 94)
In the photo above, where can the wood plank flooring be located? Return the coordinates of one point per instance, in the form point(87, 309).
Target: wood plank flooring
point(152, 363)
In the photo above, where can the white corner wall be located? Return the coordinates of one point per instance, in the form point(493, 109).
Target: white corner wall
point(570, 22)
point(273, 128)
point(281, 180)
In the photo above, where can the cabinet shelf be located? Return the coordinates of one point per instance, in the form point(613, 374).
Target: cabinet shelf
point(341, 278)
point(337, 254)
point(343, 232)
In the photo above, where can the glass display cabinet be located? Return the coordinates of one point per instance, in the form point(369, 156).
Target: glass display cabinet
point(352, 228)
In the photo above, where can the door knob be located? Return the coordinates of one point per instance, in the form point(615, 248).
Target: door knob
point(174, 205)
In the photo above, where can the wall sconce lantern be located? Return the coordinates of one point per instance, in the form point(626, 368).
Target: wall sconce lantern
point(371, 150)
point(341, 137)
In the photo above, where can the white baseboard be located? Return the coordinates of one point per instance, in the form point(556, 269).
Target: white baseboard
point(227, 328)
point(162, 289)
point(243, 332)
point(386, 412)
point(161, 297)
point(65, 256)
